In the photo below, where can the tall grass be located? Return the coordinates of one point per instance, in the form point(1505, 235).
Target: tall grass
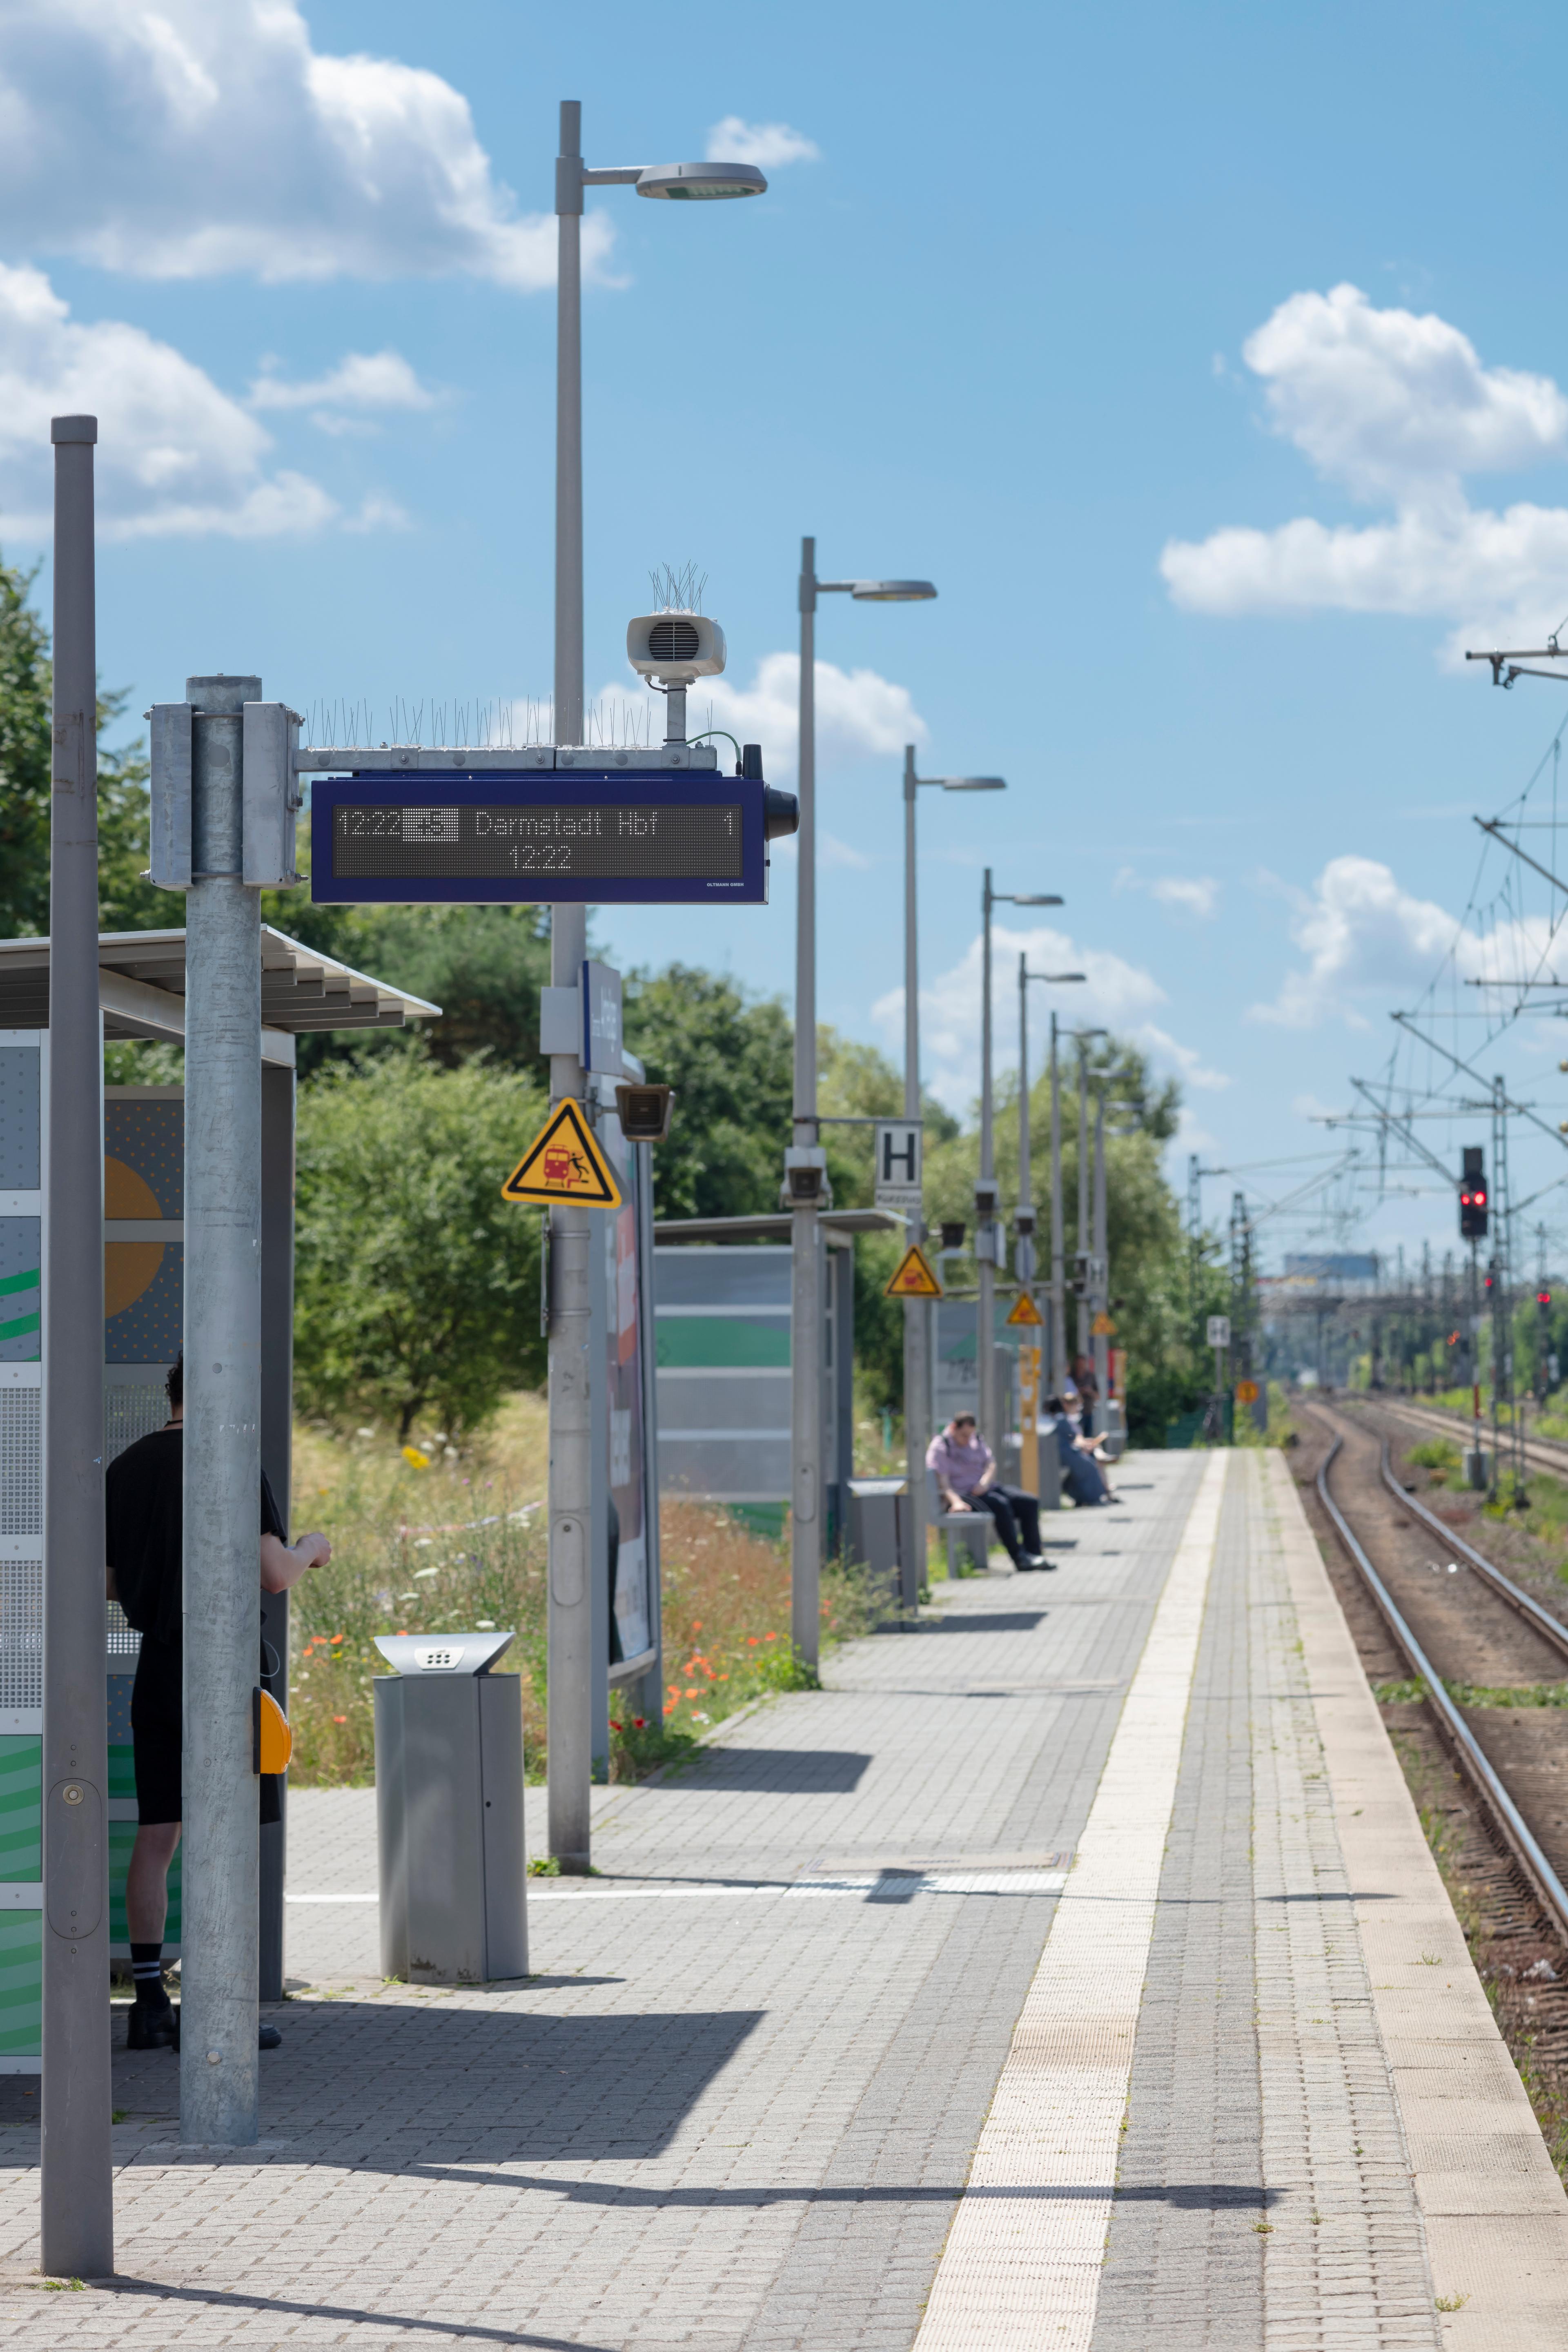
point(440, 1545)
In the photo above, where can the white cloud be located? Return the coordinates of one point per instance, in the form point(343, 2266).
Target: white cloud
point(200, 136)
point(1389, 403)
point(765, 145)
point(859, 715)
point(1117, 996)
point(360, 380)
point(175, 455)
point(831, 851)
point(1188, 1060)
point(1398, 409)
point(1369, 943)
point(1197, 893)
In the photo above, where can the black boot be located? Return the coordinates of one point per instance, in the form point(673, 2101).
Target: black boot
point(153, 2025)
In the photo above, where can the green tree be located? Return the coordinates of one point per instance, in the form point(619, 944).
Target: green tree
point(730, 1059)
point(27, 682)
point(1151, 1272)
point(417, 1285)
point(484, 966)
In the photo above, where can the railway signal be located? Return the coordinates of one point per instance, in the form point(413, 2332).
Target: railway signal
point(1473, 1196)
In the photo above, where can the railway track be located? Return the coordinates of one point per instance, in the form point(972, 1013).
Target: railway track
point(1510, 1807)
point(1549, 1453)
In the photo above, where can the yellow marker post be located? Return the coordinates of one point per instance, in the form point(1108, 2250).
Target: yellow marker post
point(1029, 1413)
point(564, 1162)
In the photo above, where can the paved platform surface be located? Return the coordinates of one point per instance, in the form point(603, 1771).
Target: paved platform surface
point(1014, 1989)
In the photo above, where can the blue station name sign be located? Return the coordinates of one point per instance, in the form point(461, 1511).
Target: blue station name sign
point(485, 835)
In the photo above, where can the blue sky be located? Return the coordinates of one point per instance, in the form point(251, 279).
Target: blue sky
point(1044, 307)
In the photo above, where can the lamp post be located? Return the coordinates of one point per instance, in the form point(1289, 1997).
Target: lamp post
point(918, 1311)
point(1024, 1219)
point(1082, 1181)
point(1027, 1256)
point(805, 1190)
point(570, 1367)
point(1101, 1339)
point(986, 1226)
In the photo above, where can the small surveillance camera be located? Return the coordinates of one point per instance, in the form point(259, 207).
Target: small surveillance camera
point(675, 649)
point(644, 1112)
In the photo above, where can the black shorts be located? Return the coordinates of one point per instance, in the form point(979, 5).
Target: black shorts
point(157, 1730)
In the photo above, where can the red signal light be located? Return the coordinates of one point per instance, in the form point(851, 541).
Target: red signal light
point(1544, 1298)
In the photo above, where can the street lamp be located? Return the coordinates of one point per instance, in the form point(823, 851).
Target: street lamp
point(1025, 1199)
point(986, 1220)
point(1024, 1218)
point(917, 1312)
point(1082, 1037)
point(1099, 1341)
point(570, 1640)
point(806, 1162)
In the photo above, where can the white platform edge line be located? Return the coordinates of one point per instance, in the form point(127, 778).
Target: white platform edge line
point(1024, 2268)
point(1492, 2203)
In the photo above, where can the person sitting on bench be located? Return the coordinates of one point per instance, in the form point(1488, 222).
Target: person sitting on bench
point(965, 1472)
point(1084, 1480)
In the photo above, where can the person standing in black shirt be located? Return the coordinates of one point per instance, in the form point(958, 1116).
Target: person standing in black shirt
point(144, 1528)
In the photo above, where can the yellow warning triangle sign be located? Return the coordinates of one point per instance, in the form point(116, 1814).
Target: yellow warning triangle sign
point(1024, 1310)
point(1103, 1328)
point(914, 1278)
point(564, 1164)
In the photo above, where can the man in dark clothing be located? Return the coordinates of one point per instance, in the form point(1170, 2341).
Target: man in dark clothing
point(144, 1528)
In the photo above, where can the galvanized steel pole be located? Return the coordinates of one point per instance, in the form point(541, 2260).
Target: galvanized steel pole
point(570, 1615)
point(219, 1972)
point(1082, 1186)
point(1058, 1236)
point(1098, 1340)
point(917, 1312)
point(806, 1231)
point(986, 1202)
point(77, 2223)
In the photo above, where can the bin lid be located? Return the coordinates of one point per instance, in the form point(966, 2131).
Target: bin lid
point(443, 1654)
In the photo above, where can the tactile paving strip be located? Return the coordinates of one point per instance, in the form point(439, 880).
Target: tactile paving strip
point(1022, 2262)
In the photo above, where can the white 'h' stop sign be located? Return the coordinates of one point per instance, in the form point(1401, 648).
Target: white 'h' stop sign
point(898, 1167)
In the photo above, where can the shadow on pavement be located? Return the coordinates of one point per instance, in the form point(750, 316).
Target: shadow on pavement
point(394, 2084)
point(987, 1621)
point(795, 1771)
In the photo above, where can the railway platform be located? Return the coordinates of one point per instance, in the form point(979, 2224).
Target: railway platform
point(1071, 1972)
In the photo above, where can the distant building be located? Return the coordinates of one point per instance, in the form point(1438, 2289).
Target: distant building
point(1349, 1265)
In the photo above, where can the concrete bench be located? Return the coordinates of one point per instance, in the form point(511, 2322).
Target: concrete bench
point(971, 1529)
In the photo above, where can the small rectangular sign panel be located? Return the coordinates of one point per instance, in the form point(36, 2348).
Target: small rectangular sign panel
point(896, 1173)
point(601, 1003)
point(1219, 1330)
point(609, 836)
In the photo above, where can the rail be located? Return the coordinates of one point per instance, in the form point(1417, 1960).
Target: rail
point(1541, 1620)
point(1510, 1819)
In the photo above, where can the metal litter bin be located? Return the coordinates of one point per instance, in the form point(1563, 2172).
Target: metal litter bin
point(449, 1803)
point(876, 1505)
